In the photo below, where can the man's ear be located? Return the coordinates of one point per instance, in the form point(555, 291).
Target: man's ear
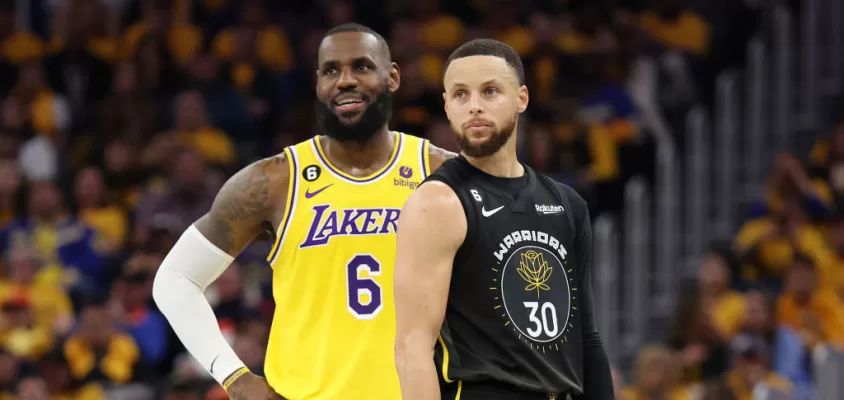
point(394, 78)
point(524, 98)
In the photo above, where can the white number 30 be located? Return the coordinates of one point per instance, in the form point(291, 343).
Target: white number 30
point(548, 324)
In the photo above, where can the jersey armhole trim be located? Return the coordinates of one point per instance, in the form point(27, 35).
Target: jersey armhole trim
point(289, 207)
point(425, 158)
point(444, 367)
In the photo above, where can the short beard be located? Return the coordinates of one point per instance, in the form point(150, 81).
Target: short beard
point(489, 146)
point(376, 116)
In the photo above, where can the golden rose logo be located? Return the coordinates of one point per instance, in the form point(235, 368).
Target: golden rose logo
point(535, 271)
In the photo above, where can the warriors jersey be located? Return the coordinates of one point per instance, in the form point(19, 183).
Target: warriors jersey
point(334, 324)
point(520, 294)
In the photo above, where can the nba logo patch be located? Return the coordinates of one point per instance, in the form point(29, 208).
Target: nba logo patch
point(406, 172)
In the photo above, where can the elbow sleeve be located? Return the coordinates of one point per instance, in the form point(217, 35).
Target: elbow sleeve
point(178, 290)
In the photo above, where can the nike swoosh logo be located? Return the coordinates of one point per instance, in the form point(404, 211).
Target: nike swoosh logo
point(490, 212)
point(211, 370)
point(309, 194)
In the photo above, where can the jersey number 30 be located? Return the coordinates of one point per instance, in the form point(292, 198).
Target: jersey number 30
point(364, 298)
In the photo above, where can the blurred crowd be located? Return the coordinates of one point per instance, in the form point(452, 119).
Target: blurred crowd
point(763, 306)
point(120, 119)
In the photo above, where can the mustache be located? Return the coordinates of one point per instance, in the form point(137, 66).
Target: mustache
point(475, 121)
point(344, 92)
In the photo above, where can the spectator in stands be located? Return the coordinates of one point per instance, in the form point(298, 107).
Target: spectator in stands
point(789, 181)
point(111, 222)
point(605, 102)
point(99, 351)
point(75, 261)
point(182, 391)
point(32, 387)
point(131, 113)
point(48, 112)
point(703, 351)
point(789, 358)
point(589, 152)
point(10, 368)
point(45, 309)
point(655, 376)
point(194, 130)
point(672, 26)
point(439, 31)
point(227, 109)
point(501, 22)
point(18, 45)
point(14, 121)
point(268, 42)
point(751, 368)
point(826, 161)
point(130, 307)
point(816, 314)
point(10, 190)
point(417, 103)
point(181, 39)
point(262, 90)
point(75, 70)
point(20, 335)
point(96, 25)
point(56, 372)
point(123, 174)
point(782, 226)
point(185, 197)
point(716, 390)
point(831, 268)
point(727, 307)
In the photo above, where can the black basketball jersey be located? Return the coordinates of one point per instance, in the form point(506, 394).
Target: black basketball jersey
point(512, 312)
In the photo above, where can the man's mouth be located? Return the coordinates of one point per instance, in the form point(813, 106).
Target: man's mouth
point(348, 102)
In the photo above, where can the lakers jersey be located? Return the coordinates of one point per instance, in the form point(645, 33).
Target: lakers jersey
point(334, 324)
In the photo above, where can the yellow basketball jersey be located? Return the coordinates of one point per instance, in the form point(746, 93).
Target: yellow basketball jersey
point(334, 323)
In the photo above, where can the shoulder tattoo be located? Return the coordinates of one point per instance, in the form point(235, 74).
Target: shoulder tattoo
point(243, 203)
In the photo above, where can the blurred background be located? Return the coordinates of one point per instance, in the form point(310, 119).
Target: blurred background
point(707, 136)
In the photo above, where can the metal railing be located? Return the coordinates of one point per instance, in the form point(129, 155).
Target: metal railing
point(829, 371)
point(756, 95)
point(834, 14)
point(728, 125)
point(637, 244)
point(809, 66)
point(667, 228)
point(640, 258)
point(697, 186)
point(606, 266)
point(783, 97)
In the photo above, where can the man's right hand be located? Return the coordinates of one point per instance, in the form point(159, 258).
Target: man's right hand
point(252, 387)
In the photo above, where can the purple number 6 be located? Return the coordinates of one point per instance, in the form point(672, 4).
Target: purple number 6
point(357, 285)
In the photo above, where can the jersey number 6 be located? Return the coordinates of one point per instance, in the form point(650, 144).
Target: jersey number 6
point(359, 287)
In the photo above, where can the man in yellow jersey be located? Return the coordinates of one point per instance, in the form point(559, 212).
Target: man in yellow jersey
point(333, 202)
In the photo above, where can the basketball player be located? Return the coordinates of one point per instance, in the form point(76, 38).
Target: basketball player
point(333, 203)
point(500, 295)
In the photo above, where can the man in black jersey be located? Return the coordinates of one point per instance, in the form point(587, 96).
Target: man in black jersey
point(492, 282)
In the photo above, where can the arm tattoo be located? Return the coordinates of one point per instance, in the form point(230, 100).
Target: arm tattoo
point(241, 206)
point(438, 156)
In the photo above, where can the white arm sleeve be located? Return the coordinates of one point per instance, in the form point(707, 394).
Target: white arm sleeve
point(190, 267)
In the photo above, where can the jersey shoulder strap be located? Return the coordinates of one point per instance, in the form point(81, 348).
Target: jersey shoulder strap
point(571, 201)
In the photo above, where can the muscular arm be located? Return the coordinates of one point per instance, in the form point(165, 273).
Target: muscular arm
point(424, 256)
point(245, 202)
point(438, 156)
point(206, 249)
